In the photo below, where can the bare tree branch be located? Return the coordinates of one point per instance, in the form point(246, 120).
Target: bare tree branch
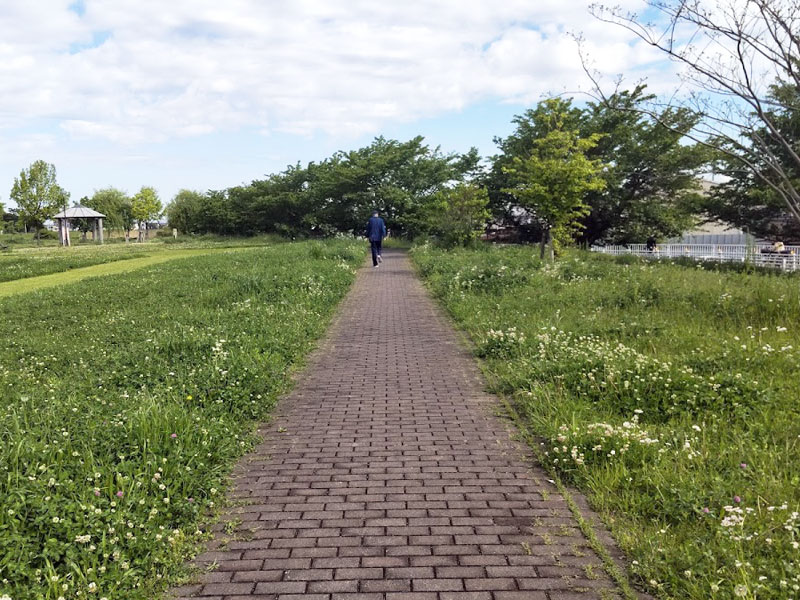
point(731, 53)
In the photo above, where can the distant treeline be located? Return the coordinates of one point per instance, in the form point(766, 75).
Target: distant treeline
point(599, 173)
point(650, 183)
point(337, 195)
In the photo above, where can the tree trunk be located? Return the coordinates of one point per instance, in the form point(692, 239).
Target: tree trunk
point(543, 243)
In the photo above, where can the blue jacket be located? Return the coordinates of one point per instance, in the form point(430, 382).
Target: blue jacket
point(376, 229)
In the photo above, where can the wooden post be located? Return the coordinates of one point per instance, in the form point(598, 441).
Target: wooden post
point(65, 222)
point(100, 228)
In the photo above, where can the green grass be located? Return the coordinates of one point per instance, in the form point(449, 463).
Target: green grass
point(125, 400)
point(667, 393)
point(29, 284)
point(33, 261)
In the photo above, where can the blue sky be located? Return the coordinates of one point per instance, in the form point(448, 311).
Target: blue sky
point(204, 95)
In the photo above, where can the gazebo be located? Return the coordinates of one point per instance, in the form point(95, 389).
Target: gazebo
point(79, 212)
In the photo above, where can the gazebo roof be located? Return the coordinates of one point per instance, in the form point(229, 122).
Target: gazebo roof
point(78, 212)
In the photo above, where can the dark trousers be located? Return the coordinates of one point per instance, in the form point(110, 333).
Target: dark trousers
point(376, 250)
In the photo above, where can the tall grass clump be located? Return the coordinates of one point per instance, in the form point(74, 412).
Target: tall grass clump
point(668, 393)
point(124, 401)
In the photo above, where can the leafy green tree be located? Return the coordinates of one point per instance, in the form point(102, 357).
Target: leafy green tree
point(184, 209)
point(38, 194)
point(335, 195)
point(652, 174)
point(552, 181)
point(146, 206)
point(744, 199)
point(458, 215)
point(530, 126)
point(279, 204)
point(650, 171)
point(725, 51)
point(394, 177)
point(115, 205)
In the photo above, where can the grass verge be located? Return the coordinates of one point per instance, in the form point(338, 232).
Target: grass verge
point(122, 408)
point(667, 393)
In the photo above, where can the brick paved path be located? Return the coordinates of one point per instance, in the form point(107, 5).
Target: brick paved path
point(386, 475)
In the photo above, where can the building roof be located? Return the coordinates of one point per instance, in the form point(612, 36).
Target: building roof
point(78, 212)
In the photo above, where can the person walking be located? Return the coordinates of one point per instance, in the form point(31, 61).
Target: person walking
point(376, 231)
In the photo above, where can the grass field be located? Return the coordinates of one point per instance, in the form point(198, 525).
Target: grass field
point(30, 260)
point(668, 393)
point(124, 402)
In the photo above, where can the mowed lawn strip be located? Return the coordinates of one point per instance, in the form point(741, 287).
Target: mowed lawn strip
point(117, 265)
point(33, 262)
point(124, 402)
point(668, 393)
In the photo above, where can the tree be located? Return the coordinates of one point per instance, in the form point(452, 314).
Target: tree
point(280, 204)
point(530, 126)
point(145, 207)
point(551, 182)
point(394, 177)
point(730, 53)
point(743, 199)
point(37, 194)
point(210, 212)
point(458, 215)
point(652, 174)
point(183, 210)
point(336, 195)
point(115, 205)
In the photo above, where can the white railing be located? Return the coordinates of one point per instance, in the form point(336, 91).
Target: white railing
point(758, 255)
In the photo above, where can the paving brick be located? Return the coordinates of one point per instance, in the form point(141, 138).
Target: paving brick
point(386, 585)
point(227, 589)
point(241, 576)
point(438, 585)
point(349, 585)
point(392, 479)
point(490, 583)
point(281, 587)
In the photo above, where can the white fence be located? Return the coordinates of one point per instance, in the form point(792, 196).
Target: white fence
point(758, 255)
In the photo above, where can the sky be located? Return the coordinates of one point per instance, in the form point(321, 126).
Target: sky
point(203, 94)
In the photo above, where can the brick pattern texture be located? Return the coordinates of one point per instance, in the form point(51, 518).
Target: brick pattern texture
point(386, 475)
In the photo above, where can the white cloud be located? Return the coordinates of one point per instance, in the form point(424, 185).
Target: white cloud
point(189, 67)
